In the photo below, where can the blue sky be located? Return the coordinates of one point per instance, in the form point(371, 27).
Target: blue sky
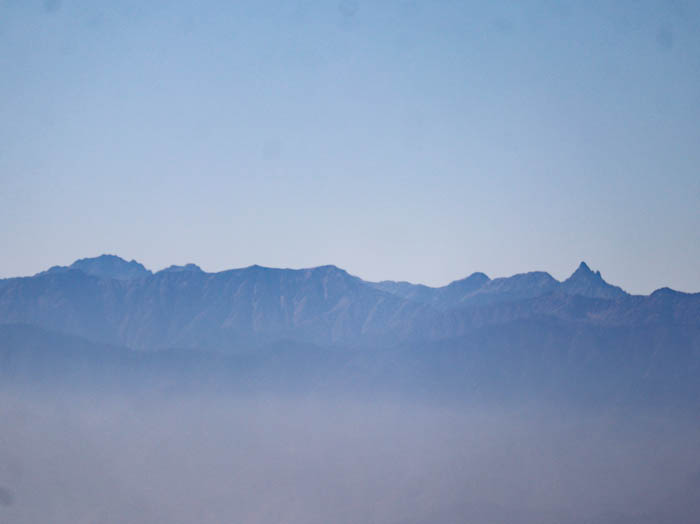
point(419, 141)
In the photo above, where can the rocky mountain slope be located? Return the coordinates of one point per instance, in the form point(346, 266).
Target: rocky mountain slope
point(110, 300)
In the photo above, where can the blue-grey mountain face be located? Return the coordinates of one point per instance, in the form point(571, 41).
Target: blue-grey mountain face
point(586, 283)
point(229, 311)
point(106, 266)
point(315, 327)
point(453, 295)
point(479, 290)
point(186, 267)
point(112, 301)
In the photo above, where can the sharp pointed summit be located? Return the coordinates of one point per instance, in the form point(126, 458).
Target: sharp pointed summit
point(588, 283)
point(583, 268)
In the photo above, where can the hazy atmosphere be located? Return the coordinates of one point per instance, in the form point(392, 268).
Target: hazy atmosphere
point(349, 262)
point(408, 140)
point(306, 460)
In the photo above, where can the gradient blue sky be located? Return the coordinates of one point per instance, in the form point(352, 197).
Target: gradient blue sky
point(407, 140)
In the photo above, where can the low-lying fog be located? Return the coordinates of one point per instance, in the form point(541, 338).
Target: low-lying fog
point(210, 458)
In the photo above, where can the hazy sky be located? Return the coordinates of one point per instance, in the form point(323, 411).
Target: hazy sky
point(405, 140)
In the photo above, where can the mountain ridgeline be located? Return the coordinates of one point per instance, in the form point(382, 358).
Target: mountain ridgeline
point(110, 300)
point(528, 328)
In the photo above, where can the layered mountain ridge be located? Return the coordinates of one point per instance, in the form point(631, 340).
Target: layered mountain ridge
point(112, 301)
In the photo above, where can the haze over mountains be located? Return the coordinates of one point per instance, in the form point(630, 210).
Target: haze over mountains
point(525, 331)
point(252, 394)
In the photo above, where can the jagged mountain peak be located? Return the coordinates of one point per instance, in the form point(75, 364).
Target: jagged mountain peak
point(584, 271)
point(521, 280)
point(583, 267)
point(586, 282)
point(179, 269)
point(111, 266)
point(105, 266)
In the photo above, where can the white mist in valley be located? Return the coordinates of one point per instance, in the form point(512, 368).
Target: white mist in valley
point(210, 458)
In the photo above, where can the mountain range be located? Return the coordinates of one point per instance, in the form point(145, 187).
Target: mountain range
point(323, 325)
point(109, 300)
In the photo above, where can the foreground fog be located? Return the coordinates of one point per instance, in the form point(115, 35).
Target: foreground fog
point(217, 458)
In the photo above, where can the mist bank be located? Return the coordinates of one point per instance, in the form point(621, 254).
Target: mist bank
point(201, 457)
point(496, 428)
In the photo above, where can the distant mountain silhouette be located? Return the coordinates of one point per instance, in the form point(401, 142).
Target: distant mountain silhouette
point(314, 327)
point(227, 310)
point(186, 267)
point(586, 283)
point(106, 266)
point(478, 289)
point(112, 301)
point(452, 295)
